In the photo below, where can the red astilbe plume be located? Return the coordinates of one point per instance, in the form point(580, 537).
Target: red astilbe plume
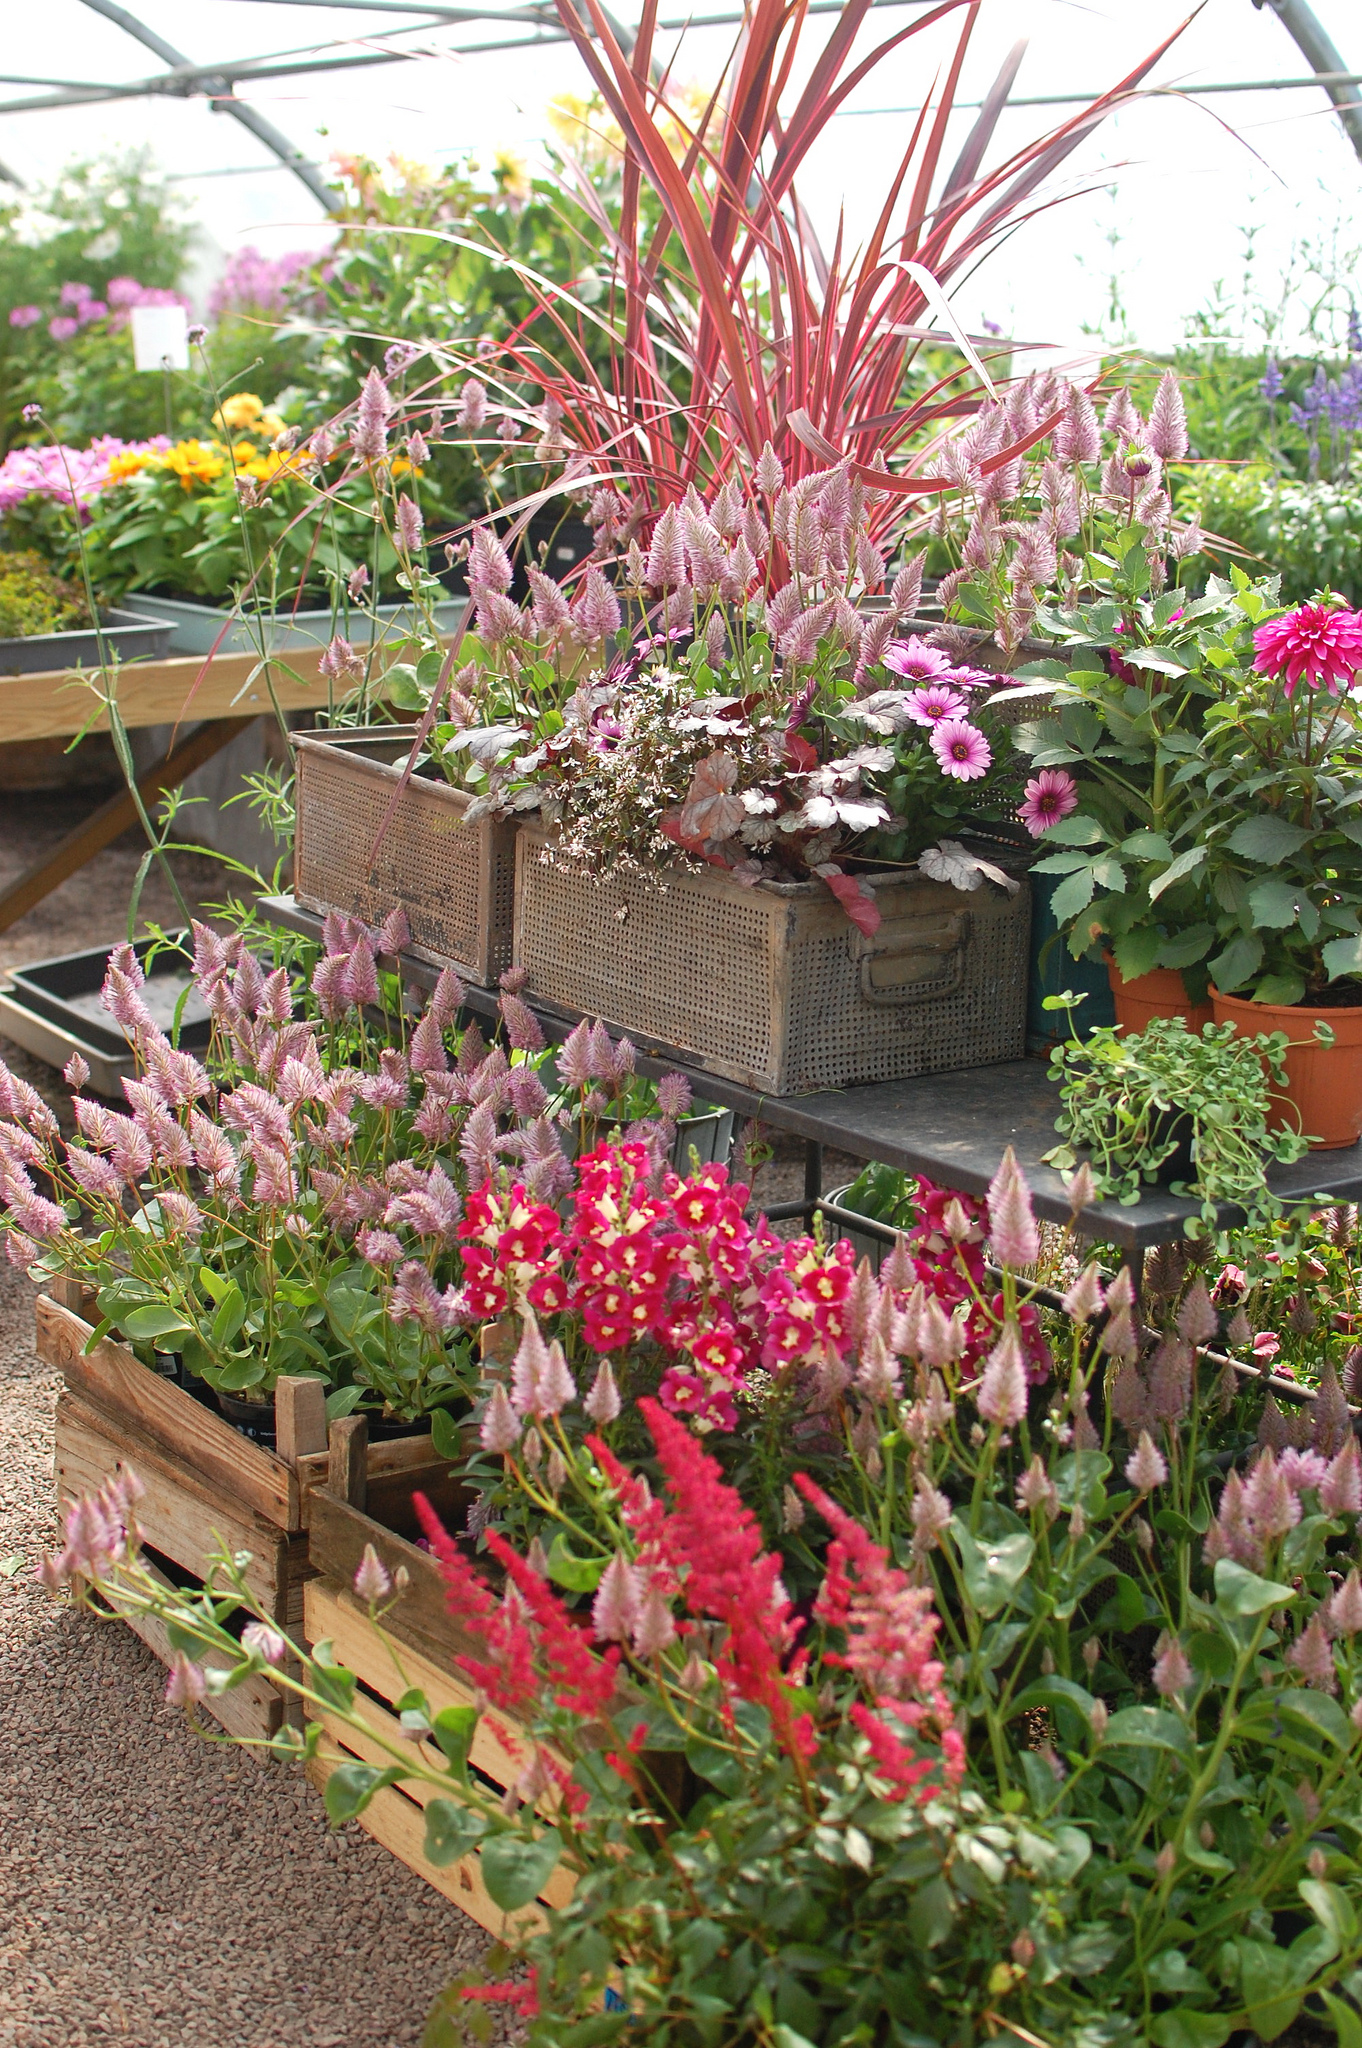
point(711, 1543)
point(890, 1628)
point(529, 1635)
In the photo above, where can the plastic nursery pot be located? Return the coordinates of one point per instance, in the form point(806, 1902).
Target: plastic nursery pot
point(1323, 1095)
point(1159, 993)
point(254, 1419)
point(384, 1429)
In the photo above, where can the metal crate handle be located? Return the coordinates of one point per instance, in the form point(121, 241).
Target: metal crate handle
point(910, 959)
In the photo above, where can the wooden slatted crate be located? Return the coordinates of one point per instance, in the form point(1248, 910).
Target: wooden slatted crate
point(205, 1483)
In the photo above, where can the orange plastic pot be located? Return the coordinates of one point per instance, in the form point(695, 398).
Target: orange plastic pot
point(1159, 993)
point(1323, 1095)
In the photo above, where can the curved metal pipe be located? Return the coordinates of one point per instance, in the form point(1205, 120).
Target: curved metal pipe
point(263, 130)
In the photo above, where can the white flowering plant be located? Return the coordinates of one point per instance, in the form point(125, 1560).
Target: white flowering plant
point(1023, 1700)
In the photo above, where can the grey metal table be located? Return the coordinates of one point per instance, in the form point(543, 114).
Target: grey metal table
point(950, 1128)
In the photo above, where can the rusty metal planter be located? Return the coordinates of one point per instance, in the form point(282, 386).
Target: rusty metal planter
point(772, 986)
point(454, 880)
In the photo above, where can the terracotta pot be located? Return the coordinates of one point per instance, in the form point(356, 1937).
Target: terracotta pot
point(1323, 1094)
point(1159, 993)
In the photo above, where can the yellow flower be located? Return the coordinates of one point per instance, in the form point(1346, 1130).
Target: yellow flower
point(194, 462)
point(511, 174)
point(244, 451)
point(242, 409)
point(270, 424)
point(129, 463)
point(400, 466)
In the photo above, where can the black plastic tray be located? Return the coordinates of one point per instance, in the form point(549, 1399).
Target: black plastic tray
point(65, 992)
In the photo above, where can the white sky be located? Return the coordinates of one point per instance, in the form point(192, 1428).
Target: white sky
point(1187, 177)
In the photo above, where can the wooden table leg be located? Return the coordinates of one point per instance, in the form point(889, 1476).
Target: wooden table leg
point(113, 818)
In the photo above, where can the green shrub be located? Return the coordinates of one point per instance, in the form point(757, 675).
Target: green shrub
point(35, 600)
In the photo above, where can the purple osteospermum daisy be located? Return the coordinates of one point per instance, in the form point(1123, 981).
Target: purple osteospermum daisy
point(1318, 641)
point(970, 678)
point(916, 660)
point(961, 749)
point(932, 702)
point(1050, 796)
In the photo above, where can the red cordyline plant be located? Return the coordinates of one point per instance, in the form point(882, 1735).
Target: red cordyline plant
point(731, 328)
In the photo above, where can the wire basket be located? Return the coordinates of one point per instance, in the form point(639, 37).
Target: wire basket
point(772, 986)
point(454, 880)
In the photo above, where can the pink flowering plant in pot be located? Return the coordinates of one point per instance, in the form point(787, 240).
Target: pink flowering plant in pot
point(1028, 1700)
point(767, 715)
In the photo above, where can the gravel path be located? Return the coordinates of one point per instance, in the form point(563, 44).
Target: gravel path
point(157, 1889)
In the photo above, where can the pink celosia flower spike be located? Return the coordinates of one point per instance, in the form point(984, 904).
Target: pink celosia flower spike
point(1340, 1490)
point(1013, 1232)
point(1312, 1656)
point(1145, 1468)
point(371, 1576)
point(1168, 420)
point(500, 1431)
point(1345, 1608)
point(186, 1685)
point(615, 1609)
point(602, 1404)
point(1172, 1672)
point(1002, 1390)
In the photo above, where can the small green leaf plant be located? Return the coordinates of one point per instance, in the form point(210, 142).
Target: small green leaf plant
point(1168, 1104)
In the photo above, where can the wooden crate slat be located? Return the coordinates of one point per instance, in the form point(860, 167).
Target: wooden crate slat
point(422, 1620)
point(112, 1379)
point(332, 1611)
point(395, 1822)
point(251, 1711)
point(178, 1516)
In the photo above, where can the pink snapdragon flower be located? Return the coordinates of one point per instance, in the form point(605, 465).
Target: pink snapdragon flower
point(1321, 642)
point(961, 749)
point(1050, 796)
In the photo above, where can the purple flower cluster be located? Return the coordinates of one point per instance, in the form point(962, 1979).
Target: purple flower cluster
point(67, 475)
point(256, 283)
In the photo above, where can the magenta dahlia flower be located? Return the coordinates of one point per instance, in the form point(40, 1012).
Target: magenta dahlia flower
point(1321, 642)
point(1050, 796)
point(916, 660)
point(932, 702)
point(961, 749)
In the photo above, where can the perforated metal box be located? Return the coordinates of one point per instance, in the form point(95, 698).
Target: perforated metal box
point(773, 987)
point(454, 880)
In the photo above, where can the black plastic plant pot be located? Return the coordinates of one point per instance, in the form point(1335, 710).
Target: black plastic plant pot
point(255, 1419)
point(385, 1430)
point(132, 636)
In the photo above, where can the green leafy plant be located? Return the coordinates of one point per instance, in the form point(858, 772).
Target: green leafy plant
point(994, 1719)
point(1136, 1107)
point(33, 599)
